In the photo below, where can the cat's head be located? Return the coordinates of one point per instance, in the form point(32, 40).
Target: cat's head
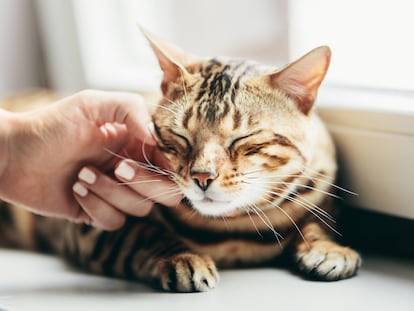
point(236, 132)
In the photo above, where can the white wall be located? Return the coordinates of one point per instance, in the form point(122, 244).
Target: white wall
point(20, 61)
point(97, 44)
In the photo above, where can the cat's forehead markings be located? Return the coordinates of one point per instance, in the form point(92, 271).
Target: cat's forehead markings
point(237, 118)
point(218, 90)
point(186, 117)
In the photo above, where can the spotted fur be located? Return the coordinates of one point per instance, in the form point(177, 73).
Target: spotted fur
point(256, 166)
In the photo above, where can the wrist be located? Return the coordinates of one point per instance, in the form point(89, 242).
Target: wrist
point(5, 129)
point(8, 127)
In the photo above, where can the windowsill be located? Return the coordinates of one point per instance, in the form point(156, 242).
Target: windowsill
point(387, 111)
point(38, 282)
point(374, 134)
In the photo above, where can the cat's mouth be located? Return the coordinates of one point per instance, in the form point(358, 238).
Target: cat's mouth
point(210, 200)
point(213, 207)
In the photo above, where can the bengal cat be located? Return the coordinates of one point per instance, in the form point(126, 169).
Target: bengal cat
point(256, 166)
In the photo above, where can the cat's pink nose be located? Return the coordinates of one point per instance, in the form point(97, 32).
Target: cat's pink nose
point(203, 179)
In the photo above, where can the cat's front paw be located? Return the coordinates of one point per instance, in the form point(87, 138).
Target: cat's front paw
point(187, 273)
point(328, 261)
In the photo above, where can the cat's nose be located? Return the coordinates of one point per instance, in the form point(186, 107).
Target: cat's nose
point(203, 179)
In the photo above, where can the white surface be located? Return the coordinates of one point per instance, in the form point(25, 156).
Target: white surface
point(37, 282)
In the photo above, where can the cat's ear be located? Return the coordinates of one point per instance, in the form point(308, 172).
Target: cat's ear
point(301, 79)
point(172, 60)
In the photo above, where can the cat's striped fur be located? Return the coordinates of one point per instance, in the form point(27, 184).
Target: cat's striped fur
point(257, 168)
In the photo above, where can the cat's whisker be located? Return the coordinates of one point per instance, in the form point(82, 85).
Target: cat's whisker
point(252, 207)
point(300, 185)
point(323, 212)
point(115, 154)
point(291, 220)
point(139, 182)
point(176, 107)
point(318, 173)
point(150, 167)
point(316, 215)
point(153, 168)
point(166, 108)
point(333, 185)
point(253, 171)
point(309, 203)
point(168, 194)
point(312, 211)
point(179, 203)
point(312, 207)
point(266, 221)
point(225, 221)
point(313, 178)
point(193, 213)
point(253, 222)
point(246, 182)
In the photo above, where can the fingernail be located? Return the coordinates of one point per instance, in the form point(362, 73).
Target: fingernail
point(110, 128)
point(104, 130)
point(80, 189)
point(87, 175)
point(125, 171)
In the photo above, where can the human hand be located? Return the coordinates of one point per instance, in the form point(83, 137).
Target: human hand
point(47, 147)
point(138, 186)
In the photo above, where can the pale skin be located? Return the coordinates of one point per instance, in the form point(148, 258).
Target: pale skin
point(66, 160)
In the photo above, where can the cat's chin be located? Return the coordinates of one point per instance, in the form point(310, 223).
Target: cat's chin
point(214, 208)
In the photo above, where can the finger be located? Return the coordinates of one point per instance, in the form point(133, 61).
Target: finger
point(124, 108)
point(77, 214)
point(102, 214)
point(114, 134)
point(114, 193)
point(149, 183)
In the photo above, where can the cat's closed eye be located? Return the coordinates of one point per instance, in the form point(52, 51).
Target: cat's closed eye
point(173, 143)
point(182, 141)
point(168, 148)
point(236, 142)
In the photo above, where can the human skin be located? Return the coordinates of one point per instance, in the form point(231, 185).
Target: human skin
point(45, 153)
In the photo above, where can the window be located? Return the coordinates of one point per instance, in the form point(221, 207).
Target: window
point(369, 40)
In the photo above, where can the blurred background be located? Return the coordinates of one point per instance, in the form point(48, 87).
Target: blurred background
point(367, 99)
point(69, 45)
point(72, 45)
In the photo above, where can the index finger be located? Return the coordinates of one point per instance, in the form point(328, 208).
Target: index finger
point(120, 107)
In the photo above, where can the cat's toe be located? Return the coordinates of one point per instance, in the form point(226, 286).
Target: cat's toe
point(187, 273)
point(328, 261)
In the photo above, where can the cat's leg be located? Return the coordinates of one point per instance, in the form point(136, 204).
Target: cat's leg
point(143, 251)
point(320, 258)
